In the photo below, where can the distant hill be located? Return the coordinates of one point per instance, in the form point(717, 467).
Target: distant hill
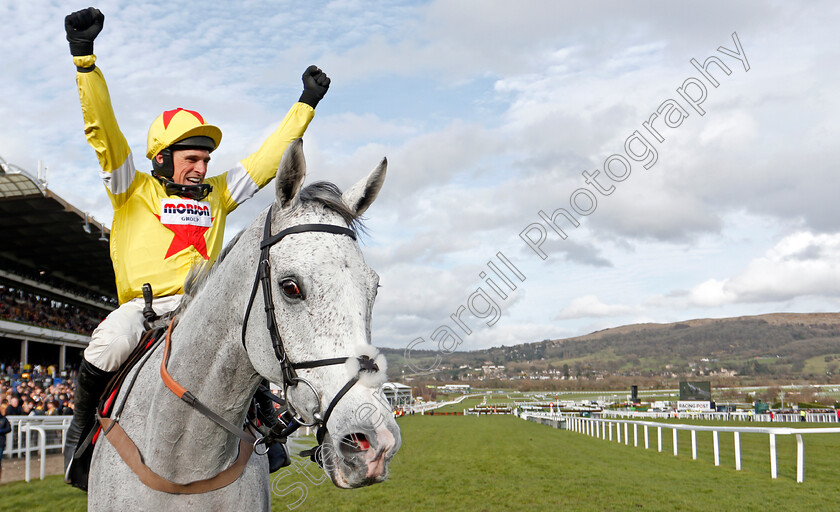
point(780, 344)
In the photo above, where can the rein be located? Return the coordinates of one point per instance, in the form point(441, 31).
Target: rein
point(290, 377)
point(194, 402)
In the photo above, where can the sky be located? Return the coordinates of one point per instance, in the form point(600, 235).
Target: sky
point(507, 127)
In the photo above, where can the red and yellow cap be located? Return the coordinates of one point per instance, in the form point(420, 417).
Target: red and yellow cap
point(176, 125)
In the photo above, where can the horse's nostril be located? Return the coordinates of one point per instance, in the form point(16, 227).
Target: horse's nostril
point(360, 440)
point(354, 443)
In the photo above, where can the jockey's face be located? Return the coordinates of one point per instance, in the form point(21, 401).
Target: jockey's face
point(190, 165)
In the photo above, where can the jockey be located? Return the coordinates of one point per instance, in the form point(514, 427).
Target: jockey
point(167, 221)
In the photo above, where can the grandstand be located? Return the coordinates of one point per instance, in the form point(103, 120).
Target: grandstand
point(398, 395)
point(56, 278)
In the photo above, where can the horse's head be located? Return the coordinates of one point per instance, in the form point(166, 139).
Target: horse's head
point(323, 294)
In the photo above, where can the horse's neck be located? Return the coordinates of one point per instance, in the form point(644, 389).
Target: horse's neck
point(207, 359)
point(207, 351)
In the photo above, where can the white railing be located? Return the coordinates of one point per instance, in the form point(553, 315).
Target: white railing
point(794, 417)
point(16, 439)
point(810, 417)
point(427, 406)
point(603, 428)
point(684, 415)
point(21, 442)
point(42, 446)
point(556, 420)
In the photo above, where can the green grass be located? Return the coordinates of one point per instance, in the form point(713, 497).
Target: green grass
point(459, 407)
point(817, 365)
point(50, 494)
point(502, 463)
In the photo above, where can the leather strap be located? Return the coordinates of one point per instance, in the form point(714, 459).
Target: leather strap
point(321, 362)
point(131, 455)
point(191, 400)
point(270, 240)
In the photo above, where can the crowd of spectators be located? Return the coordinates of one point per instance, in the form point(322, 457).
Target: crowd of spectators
point(19, 305)
point(35, 391)
point(45, 278)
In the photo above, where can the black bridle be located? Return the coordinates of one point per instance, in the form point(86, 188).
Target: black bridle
point(291, 420)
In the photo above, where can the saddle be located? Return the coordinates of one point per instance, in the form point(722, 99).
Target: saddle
point(150, 339)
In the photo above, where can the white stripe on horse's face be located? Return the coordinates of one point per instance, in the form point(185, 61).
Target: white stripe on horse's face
point(323, 298)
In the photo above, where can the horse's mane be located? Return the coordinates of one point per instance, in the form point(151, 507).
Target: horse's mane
point(329, 195)
point(323, 193)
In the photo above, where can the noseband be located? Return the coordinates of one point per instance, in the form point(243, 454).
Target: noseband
point(290, 378)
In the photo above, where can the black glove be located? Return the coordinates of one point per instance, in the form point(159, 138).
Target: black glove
point(315, 85)
point(82, 27)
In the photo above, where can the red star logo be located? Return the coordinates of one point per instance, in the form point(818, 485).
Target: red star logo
point(186, 236)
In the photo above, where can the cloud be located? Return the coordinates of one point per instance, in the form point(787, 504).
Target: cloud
point(801, 264)
point(591, 306)
point(711, 293)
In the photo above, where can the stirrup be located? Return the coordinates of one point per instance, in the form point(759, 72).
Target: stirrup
point(67, 472)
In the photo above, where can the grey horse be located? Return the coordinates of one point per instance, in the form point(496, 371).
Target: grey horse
point(328, 317)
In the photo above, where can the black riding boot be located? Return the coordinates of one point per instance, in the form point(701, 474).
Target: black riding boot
point(278, 457)
point(89, 388)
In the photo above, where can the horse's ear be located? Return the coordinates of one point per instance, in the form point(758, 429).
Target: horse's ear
point(361, 195)
point(290, 174)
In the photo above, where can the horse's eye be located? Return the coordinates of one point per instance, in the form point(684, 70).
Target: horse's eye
point(290, 288)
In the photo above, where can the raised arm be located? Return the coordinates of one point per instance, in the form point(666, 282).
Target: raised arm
point(256, 171)
point(101, 128)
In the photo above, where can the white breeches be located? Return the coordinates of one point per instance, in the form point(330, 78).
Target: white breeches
point(113, 340)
